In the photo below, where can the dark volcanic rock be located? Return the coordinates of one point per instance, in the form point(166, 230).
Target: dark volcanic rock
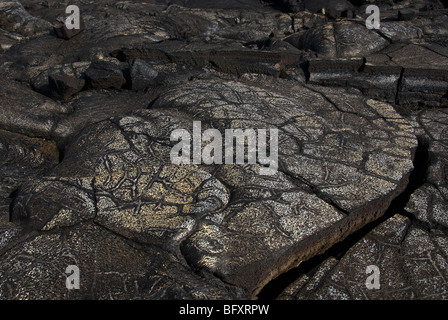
point(104, 75)
point(64, 86)
point(142, 75)
point(406, 14)
point(333, 9)
point(8, 39)
point(89, 107)
point(28, 113)
point(58, 81)
point(23, 158)
point(409, 248)
point(14, 18)
point(128, 271)
point(117, 159)
point(342, 39)
point(356, 169)
point(429, 85)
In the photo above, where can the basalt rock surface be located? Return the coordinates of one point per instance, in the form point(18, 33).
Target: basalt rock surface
point(409, 247)
point(356, 127)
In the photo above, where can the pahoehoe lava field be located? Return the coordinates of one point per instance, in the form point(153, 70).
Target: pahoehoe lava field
point(337, 189)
